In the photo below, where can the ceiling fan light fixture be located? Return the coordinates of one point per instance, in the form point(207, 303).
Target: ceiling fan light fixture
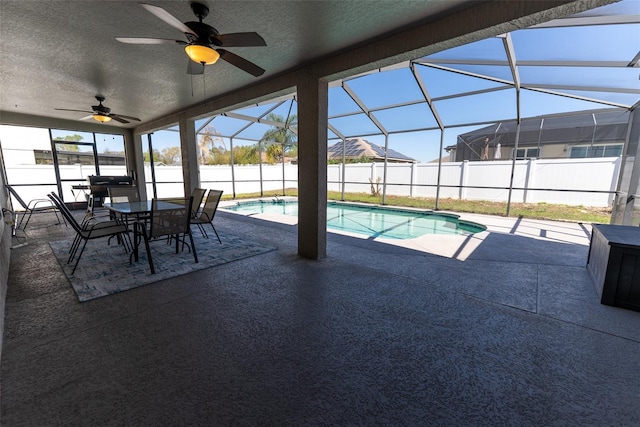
point(201, 54)
point(102, 118)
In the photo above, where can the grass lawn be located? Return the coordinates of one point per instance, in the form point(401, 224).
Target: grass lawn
point(526, 210)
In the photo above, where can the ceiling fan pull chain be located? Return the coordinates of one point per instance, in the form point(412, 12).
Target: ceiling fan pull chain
point(204, 86)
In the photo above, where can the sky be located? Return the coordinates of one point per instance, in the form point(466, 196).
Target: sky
point(487, 95)
point(16, 137)
point(464, 93)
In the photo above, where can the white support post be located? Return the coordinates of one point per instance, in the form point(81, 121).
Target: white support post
point(414, 171)
point(463, 179)
point(233, 176)
point(384, 171)
point(373, 171)
point(529, 182)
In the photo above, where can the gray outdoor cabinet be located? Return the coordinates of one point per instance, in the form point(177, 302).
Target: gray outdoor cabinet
point(614, 264)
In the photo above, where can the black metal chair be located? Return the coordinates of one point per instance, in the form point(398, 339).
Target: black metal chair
point(198, 196)
point(171, 218)
point(125, 194)
point(90, 230)
point(34, 206)
point(87, 222)
point(208, 212)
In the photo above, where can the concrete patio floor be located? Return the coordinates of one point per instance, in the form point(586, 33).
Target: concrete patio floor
point(501, 328)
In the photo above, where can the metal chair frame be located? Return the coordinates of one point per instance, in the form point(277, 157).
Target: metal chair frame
point(90, 230)
point(167, 221)
point(34, 206)
point(208, 212)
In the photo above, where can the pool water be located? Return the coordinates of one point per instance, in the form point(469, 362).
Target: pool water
point(371, 221)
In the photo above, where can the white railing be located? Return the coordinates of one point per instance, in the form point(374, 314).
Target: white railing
point(586, 182)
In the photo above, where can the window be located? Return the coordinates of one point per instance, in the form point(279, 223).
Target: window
point(527, 153)
point(163, 163)
point(613, 150)
point(41, 160)
point(600, 150)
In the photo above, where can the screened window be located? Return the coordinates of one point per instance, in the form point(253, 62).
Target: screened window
point(527, 153)
point(600, 150)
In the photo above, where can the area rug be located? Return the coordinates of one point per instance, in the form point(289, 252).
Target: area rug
point(104, 268)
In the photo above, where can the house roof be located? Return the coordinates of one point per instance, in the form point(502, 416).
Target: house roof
point(357, 147)
point(575, 128)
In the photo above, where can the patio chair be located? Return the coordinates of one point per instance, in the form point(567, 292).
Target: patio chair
point(123, 194)
point(208, 212)
point(171, 218)
point(89, 221)
point(198, 195)
point(34, 206)
point(90, 229)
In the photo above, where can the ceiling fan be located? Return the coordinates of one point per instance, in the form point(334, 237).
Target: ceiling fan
point(204, 44)
point(102, 114)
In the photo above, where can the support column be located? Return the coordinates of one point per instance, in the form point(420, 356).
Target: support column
point(312, 167)
point(414, 172)
point(464, 171)
point(137, 163)
point(530, 182)
point(189, 151)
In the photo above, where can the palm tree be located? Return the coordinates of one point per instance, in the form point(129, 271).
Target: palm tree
point(281, 139)
point(210, 146)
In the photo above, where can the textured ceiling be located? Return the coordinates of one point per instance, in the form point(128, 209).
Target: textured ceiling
point(60, 54)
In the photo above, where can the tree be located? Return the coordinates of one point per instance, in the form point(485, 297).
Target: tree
point(361, 159)
point(245, 155)
point(69, 147)
point(156, 156)
point(211, 147)
point(281, 141)
point(170, 155)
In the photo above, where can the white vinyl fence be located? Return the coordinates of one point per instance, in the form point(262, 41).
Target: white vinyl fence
point(586, 182)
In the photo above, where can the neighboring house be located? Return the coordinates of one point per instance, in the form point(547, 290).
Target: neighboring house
point(45, 157)
point(598, 133)
point(444, 160)
point(357, 148)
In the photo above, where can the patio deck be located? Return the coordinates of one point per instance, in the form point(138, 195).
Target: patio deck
point(502, 328)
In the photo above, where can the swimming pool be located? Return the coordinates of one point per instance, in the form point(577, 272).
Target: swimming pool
point(372, 221)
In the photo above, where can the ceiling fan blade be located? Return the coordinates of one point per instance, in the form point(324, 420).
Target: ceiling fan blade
point(194, 68)
point(168, 18)
point(124, 117)
point(240, 62)
point(77, 111)
point(143, 40)
point(90, 116)
point(118, 118)
point(240, 40)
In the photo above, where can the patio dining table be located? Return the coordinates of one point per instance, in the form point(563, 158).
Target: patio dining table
point(130, 208)
point(138, 209)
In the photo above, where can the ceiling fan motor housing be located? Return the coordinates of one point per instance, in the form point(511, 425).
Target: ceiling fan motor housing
point(101, 108)
point(206, 33)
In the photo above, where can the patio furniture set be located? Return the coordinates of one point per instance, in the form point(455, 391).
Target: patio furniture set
point(147, 220)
